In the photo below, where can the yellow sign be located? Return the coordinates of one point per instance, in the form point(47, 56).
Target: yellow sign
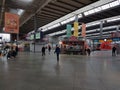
point(75, 29)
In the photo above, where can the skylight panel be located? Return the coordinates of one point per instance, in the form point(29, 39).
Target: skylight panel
point(80, 16)
point(86, 13)
point(68, 20)
point(91, 11)
point(105, 6)
point(54, 26)
point(114, 19)
point(20, 12)
point(115, 3)
point(72, 18)
point(98, 9)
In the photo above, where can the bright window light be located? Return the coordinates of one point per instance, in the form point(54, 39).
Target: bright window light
point(90, 31)
point(52, 34)
point(72, 18)
point(119, 1)
point(45, 29)
point(54, 26)
point(105, 6)
point(80, 16)
point(86, 13)
point(115, 3)
point(66, 21)
point(93, 34)
point(114, 19)
point(4, 37)
point(105, 28)
point(56, 33)
point(92, 24)
point(91, 11)
point(98, 9)
point(20, 11)
point(26, 1)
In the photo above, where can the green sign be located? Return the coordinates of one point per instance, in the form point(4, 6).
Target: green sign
point(69, 27)
point(37, 35)
point(31, 36)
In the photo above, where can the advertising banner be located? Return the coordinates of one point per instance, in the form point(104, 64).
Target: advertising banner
point(76, 29)
point(83, 30)
point(11, 23)
point(69, 27)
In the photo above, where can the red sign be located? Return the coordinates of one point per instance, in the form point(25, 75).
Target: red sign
point(106, 45)
point(83, 30)
point(73, 38)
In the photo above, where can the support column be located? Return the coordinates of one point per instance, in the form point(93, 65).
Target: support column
point(2, 13)
point(17, 39)
point(76, 18)
point(117, 28)
point(35, 29)
point(101, 29)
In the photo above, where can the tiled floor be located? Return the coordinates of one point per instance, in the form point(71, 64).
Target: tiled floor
point(32, 71)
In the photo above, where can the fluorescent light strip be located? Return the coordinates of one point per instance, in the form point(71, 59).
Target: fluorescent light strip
point(54, 26)
point(68, 20)
point(93, 23)
point(113, 19)
point(56, 33)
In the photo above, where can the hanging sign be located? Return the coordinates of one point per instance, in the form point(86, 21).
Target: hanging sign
point(11, 23)
point(69, 27)
point(83, 30)
point(76, 29)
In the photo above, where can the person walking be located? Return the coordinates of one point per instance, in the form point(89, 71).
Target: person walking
point(43, 51)
point(49, 48)
point(114, 51)
point(57, 51)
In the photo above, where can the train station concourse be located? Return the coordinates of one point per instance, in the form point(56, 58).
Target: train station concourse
point(59, 44)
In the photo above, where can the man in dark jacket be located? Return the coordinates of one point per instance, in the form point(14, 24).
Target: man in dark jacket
point(43, 51)
point(114, 51)
point(57, 51)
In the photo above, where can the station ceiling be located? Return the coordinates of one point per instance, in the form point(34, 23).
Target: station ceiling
point(47, 11)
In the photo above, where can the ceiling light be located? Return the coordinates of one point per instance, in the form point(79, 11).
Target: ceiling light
point(20, 12)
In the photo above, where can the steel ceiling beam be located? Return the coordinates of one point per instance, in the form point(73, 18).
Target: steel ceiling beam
point(45, 2)
point(2, 12)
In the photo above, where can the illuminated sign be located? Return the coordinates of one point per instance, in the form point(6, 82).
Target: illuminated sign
point(37, 35)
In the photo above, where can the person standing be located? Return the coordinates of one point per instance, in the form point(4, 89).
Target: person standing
point(88, 51)
point(57, 51)
point(16, 50)
point(114, 51)
point(43, 51)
